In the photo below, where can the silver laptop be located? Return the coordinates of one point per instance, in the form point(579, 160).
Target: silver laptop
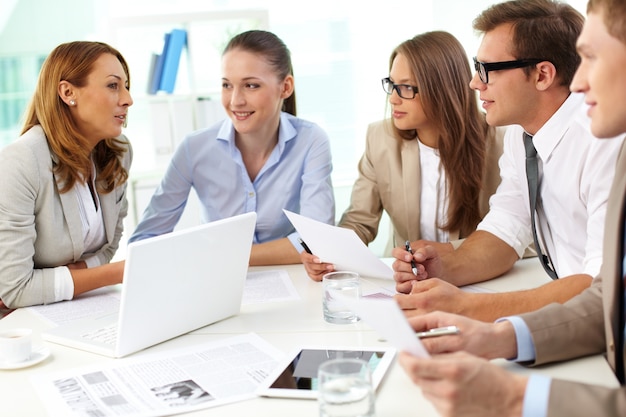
point(173, 284)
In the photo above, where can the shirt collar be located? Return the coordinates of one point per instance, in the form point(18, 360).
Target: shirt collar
point(286, 131)
point(553, 131)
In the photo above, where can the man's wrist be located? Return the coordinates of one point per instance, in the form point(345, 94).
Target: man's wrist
point(504, 340)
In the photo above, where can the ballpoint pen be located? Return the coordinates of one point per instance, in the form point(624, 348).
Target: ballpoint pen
point(407, 244)
point(304, 245)
point(439, 331)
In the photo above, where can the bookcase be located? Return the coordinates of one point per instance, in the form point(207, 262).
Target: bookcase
point(158, 122)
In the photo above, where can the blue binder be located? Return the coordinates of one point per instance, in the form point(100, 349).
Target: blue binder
point(175, 41)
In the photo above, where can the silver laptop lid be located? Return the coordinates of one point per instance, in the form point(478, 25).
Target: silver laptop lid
point(184, 280)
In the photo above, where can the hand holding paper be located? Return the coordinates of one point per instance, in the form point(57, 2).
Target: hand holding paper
point(339, 246)
point(387, 319)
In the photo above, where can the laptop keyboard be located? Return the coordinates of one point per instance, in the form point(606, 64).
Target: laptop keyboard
point(106, 335)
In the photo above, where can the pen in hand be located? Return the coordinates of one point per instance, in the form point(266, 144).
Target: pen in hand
point(439, 331)
point(304, 245)
point(407, 244)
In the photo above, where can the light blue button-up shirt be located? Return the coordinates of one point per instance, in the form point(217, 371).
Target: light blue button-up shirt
point(538, 388)
point(295, 177)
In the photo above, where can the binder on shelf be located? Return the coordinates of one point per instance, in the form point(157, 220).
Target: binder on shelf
point(156, 68)
point(175, 41)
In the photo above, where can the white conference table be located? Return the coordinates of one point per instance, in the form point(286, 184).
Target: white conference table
point(288, 325)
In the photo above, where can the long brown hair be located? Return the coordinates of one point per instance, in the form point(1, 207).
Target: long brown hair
point(274, 50)
point(73, 62)
point(442, 72)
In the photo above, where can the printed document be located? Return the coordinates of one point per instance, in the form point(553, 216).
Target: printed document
point(165, 383)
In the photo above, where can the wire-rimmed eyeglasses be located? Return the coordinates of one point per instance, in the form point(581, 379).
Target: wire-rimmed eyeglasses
point(404, 90)
point(483, 68)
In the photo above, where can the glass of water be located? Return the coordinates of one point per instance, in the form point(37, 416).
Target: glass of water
point(345, 389)
point(338, 286)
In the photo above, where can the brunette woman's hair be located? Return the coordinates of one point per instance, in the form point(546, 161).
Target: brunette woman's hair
point(274, 50)
point(442, 73)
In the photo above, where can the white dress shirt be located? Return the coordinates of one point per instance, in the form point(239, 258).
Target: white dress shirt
point(576, 171)
point(433, 202)
point(94, 236)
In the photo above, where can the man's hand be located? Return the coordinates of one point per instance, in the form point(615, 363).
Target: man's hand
point(432, 295)
point(462, 385)
point(487, 340)
point(427, 259)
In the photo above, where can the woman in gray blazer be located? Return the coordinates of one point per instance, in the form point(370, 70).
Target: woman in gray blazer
point(63, 189)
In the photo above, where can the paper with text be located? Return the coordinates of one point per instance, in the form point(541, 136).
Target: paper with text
point(94, 303)
point(339, 246)
point(166, 383)
point(268, 286)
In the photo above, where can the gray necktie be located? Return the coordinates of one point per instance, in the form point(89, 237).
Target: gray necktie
point(532, 176)
point(620, 337)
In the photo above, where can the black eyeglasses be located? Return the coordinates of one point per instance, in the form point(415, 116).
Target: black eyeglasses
point(404, 90)
point(483, 68)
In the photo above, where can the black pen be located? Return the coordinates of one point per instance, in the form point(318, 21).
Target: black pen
point(407, 244)
point(306, 248)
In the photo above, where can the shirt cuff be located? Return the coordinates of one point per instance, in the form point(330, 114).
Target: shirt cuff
point(536, 396)
point(63, 284)
point(525, 344)
point(293, 238)
point(92, 262)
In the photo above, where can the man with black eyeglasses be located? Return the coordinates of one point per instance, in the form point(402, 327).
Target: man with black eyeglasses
point(555, 175)
point(458, 383)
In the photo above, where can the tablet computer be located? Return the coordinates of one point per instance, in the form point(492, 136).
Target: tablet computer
point(296, 376)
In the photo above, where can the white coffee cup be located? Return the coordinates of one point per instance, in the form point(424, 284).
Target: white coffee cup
point(15, 345)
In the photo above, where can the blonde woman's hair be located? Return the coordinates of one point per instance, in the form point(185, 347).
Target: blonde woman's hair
point(73, 62)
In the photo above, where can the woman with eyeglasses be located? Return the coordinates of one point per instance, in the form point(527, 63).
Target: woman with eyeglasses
point(261, 159)
point(433, 164)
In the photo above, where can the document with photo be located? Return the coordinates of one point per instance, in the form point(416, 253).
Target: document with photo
point(165, 383)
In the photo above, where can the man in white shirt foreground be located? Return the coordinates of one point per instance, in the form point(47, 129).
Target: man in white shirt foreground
point(461, 384)
point(524, 65)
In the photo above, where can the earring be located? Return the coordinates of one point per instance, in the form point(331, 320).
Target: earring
point(72, 103)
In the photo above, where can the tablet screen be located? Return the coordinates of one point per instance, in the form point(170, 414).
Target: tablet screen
point(297, 377)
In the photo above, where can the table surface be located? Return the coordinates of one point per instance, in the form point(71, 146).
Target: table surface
point(288, 325)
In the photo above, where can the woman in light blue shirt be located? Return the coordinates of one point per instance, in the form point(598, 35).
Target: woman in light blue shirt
point(262, 158)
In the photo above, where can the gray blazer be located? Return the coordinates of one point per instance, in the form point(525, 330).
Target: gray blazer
point(41, 229)
point(589, 323)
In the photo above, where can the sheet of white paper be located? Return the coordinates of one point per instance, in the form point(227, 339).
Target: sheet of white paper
point(384, 316)
point(268, 286)
point(91, 304)
point(339, 246)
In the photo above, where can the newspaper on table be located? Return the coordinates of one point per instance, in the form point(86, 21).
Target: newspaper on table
point(165, 383)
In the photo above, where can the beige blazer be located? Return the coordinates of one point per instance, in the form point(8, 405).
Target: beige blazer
point(389, 179)
point(589, 323)
point(41, 229)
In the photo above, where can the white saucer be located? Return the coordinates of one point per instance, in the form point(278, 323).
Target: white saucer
point(37, 356)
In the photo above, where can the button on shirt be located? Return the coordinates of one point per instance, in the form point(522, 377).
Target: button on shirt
point(576, 171)
point(295, 177)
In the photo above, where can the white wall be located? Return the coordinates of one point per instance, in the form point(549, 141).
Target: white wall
point(339, 54)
